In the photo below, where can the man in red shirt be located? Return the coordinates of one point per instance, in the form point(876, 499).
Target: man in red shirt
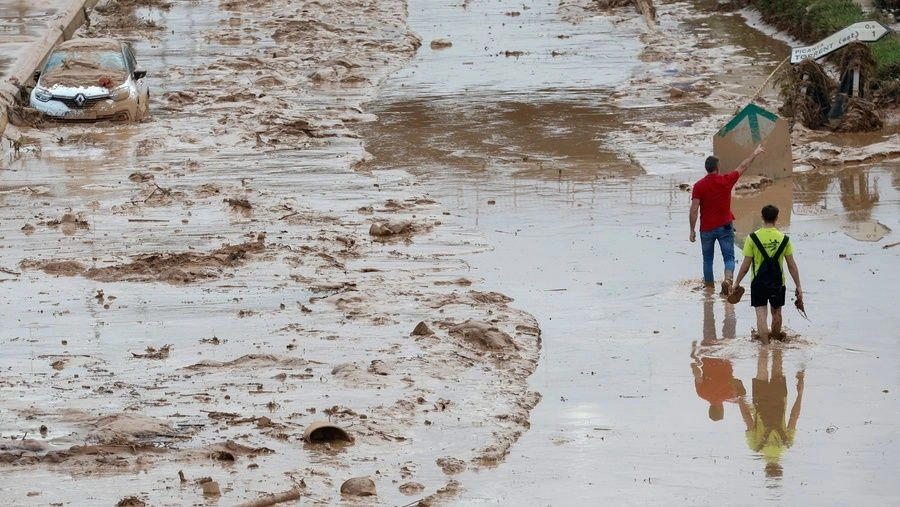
point(711, 200)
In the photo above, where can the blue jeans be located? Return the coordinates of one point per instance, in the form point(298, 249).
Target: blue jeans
point(725, 236)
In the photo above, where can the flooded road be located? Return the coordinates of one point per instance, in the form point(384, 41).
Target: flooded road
point(191, 293)
point(185, 297)
point(592, 240)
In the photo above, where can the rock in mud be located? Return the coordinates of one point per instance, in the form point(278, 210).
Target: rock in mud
point(451, 466)
point(411, 488)
point(382, 229)
point(676, 93)
point(131, 501)
point(344, 369)
point(211, 488)
point(358, 486)
point(442, 495)
point(441, 43)
point(483, 335)
point(422, 329)
point(129, 428)
point(379, 367)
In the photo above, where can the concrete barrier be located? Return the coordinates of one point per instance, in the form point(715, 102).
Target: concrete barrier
point(72, 15)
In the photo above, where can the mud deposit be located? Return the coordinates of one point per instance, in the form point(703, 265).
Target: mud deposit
point(186, 299)
point(367, 253)
point(592, 238)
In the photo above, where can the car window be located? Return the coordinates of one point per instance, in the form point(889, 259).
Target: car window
point(129, 55)
point(102, 59)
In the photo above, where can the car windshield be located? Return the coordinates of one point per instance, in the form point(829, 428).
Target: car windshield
point(85, 59)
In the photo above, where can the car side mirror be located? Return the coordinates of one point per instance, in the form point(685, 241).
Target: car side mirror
point(140, 74)
point(37, 75)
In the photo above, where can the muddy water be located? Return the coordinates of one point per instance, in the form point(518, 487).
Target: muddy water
point(588, 232)
point(190, 293)
point(588, 236)
point(21, 22)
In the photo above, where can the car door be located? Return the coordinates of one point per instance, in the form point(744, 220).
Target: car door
point(139, 82)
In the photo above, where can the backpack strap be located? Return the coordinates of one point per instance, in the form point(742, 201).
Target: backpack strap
point(759, 245)
point(781, 247)
point(762, 249)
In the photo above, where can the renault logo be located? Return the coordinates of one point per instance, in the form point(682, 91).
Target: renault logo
point(80, 99)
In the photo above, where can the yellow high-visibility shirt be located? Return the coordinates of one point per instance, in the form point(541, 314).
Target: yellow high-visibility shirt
point(770, 237)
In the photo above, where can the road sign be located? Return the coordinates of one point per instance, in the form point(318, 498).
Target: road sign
point(751, 126)
point(864, 31)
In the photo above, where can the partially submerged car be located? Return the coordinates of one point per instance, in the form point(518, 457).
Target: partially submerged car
point(91, 79)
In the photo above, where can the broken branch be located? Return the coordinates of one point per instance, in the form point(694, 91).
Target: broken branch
point(266, 501)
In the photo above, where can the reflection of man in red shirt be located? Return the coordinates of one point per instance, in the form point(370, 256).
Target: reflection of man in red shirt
point(714, 376)
point(715, 382)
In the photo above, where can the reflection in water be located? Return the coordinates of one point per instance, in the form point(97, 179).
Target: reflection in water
point(517, 133)
point(713, 376)
point(746, 208)
point(812, 188)
point(766, 431)
point(859, 193)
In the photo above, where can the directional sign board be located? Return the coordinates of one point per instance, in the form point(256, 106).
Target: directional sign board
point(864, 31)
point(751, 126)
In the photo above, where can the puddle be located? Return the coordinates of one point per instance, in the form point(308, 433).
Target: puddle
point(591, 238)
point(540, 157)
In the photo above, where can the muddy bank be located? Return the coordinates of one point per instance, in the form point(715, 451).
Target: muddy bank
point(689, 66)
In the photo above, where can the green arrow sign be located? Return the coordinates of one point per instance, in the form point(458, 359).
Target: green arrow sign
point(753, 122)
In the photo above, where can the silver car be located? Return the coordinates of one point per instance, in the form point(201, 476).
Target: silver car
point(91, 79)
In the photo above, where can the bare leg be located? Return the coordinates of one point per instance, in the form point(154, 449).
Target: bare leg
point(776, 363)
point(730, 325)
point(762, 364)
point(776, 323)
point(762, 326)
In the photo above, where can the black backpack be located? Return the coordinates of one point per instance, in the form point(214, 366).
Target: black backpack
point(768, 274)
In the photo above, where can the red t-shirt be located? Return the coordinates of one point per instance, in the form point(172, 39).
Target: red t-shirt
point(714, 192)
point(716, 385)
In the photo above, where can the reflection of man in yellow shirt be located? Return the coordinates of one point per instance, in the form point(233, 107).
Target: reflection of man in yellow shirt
point(767, 433)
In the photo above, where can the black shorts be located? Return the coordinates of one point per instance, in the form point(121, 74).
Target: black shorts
point(762, 297)
point(770, 400)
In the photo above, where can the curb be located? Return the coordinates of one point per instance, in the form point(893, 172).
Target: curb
point(72, 16)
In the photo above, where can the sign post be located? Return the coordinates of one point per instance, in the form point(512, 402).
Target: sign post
point(737, 139)
point(864, 31)
point(751, 126)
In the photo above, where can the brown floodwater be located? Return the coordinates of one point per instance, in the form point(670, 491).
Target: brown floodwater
point(541, 156)
point(594, 244)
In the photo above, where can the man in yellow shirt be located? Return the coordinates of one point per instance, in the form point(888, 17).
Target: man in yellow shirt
point(767, 250)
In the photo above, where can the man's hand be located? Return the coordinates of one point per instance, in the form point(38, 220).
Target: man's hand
point(693, 236)
point(747, 161)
